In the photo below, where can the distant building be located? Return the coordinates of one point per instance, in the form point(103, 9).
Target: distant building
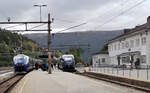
point(100, 59)
point(133, 44)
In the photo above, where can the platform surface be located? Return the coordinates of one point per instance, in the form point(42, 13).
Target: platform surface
point(64, 82)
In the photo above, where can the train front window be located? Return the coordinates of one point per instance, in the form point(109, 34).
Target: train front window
point(21, 60)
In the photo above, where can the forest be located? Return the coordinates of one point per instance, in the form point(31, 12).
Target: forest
point(12, 44)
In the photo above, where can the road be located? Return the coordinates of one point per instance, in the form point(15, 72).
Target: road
point(63, 82)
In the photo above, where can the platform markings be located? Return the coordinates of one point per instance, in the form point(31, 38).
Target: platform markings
point(24, 83)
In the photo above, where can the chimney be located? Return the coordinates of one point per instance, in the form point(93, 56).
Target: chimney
point(148, 19)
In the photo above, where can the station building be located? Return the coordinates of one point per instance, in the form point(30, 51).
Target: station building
point(133, 44)
point(100, 59)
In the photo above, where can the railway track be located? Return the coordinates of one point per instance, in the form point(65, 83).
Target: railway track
point(8, 84)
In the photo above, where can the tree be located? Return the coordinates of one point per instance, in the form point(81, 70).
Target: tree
point(77, 54)
point(58, 54)
point(4, 48)
point(105, 48)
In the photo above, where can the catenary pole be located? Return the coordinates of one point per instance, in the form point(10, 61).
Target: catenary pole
point(49, 42)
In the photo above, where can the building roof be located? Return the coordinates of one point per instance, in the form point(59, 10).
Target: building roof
point(102, 52)
point(139, 28)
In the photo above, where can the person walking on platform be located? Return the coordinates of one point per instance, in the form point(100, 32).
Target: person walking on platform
point(50, 59)
point(52, 66)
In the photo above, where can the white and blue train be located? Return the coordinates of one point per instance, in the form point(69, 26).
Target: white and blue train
point(67, 62)
point(22, 63)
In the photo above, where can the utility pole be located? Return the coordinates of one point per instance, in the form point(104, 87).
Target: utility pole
point(89, 53)
point(49, 40)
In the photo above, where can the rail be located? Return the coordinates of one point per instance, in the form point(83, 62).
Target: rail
point(8, 84)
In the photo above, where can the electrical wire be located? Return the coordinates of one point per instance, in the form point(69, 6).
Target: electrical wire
point(104, 22)
point(62, 20)
point(13, 26)
point(36, 26)
point(115, 8)
point(71, 27)
point(121, 13)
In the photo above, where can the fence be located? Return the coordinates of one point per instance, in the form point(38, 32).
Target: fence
point(140, 73)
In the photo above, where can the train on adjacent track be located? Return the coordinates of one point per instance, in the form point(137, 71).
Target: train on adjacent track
point(22, 63)
point(67, 62)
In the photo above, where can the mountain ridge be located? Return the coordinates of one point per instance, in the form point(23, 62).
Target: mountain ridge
point(96, 39)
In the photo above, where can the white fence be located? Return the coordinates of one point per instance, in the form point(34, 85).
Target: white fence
point(142, 74)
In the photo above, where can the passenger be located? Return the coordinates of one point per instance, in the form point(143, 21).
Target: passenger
point(55, 65)
point(52, 66)
point(46, 66)
point(50, 59)
point(137, 63)
point(36, 66)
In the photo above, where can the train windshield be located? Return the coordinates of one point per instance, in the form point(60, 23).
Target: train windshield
point(68, 59)
point(20, 60)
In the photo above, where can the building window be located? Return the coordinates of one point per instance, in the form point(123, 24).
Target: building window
point(126, 59)
point(131, 43)
point(103, 60)
point(115, 46)
point(143, 41)
point(143, 59)
point(99, 62)
point(137, 42)
point(109, 48)
point(122, 45)
point(112, 47)
point(127, 44)
point(118, 46)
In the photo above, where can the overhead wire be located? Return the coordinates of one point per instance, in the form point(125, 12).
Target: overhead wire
point(115, 8)
point(36, 26)
point(104, 22)
point(63, 20)
point(13, 26)
point(121, 13)
point(71, 27)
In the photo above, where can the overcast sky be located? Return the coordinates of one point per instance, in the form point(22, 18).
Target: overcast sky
point(98, 14)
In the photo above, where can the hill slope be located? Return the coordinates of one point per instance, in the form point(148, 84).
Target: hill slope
point(10, 45)
point(96, 39)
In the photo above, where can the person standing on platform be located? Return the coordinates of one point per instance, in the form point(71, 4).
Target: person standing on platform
point(36, 66)
point(50, 59)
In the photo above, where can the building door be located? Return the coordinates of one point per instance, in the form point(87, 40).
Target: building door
point(118, 58)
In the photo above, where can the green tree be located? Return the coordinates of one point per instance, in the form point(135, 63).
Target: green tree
point(77, 54)
point(58, 54)
point(4, 48)
point(105, 48)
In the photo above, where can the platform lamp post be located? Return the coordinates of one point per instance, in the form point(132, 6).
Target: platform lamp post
point(40, 6)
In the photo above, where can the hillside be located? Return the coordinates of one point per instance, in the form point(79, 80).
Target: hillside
point(96, 39)
point(10, 45)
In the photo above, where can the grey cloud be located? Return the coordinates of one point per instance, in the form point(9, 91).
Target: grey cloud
point(96, 12)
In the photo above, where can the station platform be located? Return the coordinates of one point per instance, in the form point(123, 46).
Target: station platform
point(39, 81)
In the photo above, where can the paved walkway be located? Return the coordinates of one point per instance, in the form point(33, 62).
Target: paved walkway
point(63, 82)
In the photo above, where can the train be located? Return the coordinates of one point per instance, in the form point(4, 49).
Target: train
point(22, 63)
point(67, 62)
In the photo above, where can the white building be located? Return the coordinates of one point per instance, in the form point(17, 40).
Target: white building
point(133, 44)
point(100, 59)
